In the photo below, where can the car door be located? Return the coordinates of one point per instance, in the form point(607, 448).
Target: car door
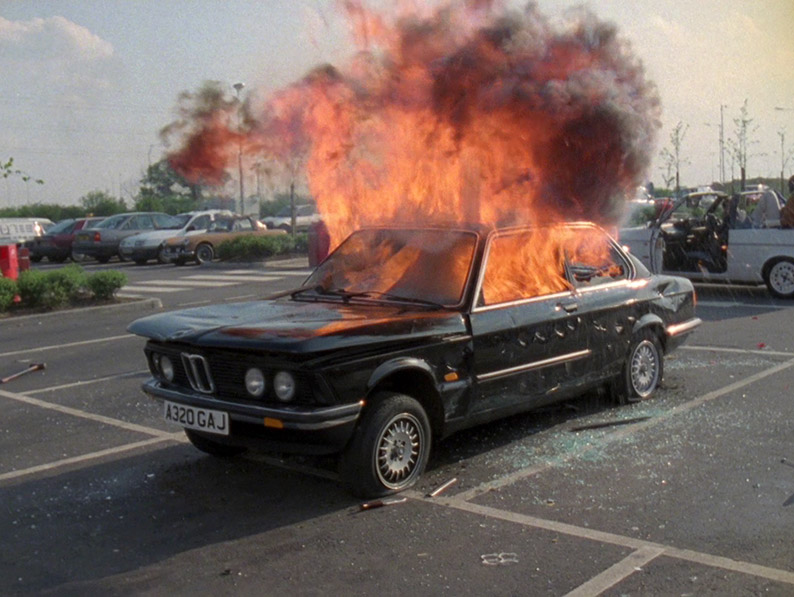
point(526, 326)
point(603, 278)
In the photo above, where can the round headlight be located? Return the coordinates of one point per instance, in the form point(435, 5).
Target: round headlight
point(167, 368)
point(255, 382)
point(284, 386)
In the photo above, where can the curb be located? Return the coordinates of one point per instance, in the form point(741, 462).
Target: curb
point(132, 306)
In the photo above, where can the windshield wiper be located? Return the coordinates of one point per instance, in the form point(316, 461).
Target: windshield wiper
point(321, 290)
point(402, 299)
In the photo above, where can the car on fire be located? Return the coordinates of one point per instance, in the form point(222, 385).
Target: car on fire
point(710, 236)
point(202, 247)
point(403, 336)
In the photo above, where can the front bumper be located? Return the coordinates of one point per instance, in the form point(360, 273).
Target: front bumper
point(133, 253)
point(295, 429)
point(178, 254)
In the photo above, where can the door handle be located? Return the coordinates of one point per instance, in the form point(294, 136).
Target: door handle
point(569, 306)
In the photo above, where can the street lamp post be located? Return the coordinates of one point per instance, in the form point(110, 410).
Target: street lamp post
point(238, 87)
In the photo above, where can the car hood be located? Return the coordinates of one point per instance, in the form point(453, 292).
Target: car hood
point(298, 327)
point(153, 237)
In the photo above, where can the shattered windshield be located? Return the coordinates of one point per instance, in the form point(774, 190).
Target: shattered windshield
point(395, 264)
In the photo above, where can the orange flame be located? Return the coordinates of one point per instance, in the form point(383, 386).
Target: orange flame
point(465, 113)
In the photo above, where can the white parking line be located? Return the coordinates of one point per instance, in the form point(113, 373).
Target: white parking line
point(618, 435)
point(617, 573)
point(68, 345)
point(193, 283)
point(76, 412)
point(648, 547)
point(133, 288)
point(234, 278)
point(85, 457)
point(730, 305)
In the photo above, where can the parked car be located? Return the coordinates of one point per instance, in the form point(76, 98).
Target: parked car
point(144, 246)
point(202, 247)
point(404, 336)
point(56, 243)
point(305, 216)
point(709, 237)
point(101, 242)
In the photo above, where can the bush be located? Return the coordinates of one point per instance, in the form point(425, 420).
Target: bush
point(8, 290)
point(260, 247)
point(53, 289)
point(32, 286)
point(105, 284)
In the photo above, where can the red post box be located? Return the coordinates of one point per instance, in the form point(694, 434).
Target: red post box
point(9, 264)
point(23, 258)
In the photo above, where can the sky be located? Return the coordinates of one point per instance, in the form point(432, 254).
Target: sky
point(86, 86)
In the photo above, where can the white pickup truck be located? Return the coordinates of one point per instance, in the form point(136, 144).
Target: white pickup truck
point(18, 230)
point(708, 236)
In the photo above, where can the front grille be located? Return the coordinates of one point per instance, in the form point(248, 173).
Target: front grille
point(222, 374)
point(198, 373)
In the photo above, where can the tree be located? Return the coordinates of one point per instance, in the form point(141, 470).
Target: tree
point(671, 157)
point(162, 181)
point(8, 170)
point(164, 189)
point(100, 203)
point(739, 147)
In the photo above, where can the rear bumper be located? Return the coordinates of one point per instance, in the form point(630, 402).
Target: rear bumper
point(677, 333)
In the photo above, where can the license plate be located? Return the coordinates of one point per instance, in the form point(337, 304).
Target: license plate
point(200, 419)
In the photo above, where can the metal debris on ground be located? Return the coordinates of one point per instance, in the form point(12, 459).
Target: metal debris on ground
point(601, 424)
point(442, 488)
point(499, 559)
point(28, 369)
point(381, 503)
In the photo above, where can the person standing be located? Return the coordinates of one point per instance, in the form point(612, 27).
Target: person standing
point(787, 213)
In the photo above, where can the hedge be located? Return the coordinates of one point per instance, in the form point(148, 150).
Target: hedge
point(56, 289)
point(258, 247)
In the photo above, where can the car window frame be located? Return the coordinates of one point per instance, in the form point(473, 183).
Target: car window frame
point(478, 308)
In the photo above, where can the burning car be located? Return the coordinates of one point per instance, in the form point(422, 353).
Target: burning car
point(709, 236)
point(403, 336)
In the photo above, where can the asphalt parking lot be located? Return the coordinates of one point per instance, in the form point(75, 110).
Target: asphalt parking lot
point(688, 493)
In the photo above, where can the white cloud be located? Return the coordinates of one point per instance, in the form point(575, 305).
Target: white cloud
point(52, 38)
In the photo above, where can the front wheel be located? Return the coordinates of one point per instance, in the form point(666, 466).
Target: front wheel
point(389, 449)
point(643, 369)
point(204, 253)
point(161, 258)
point(211, 447)
point(779, 278)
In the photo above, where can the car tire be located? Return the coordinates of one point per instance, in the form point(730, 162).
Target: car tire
point(205, 253)
point(779, 278)
point(121, 257)
point(642, 370)
point(375, 462)
point(179, 261)
point(211, 447)
point(161, 258)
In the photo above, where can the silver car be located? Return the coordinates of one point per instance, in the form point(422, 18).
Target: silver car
point(144, 246)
